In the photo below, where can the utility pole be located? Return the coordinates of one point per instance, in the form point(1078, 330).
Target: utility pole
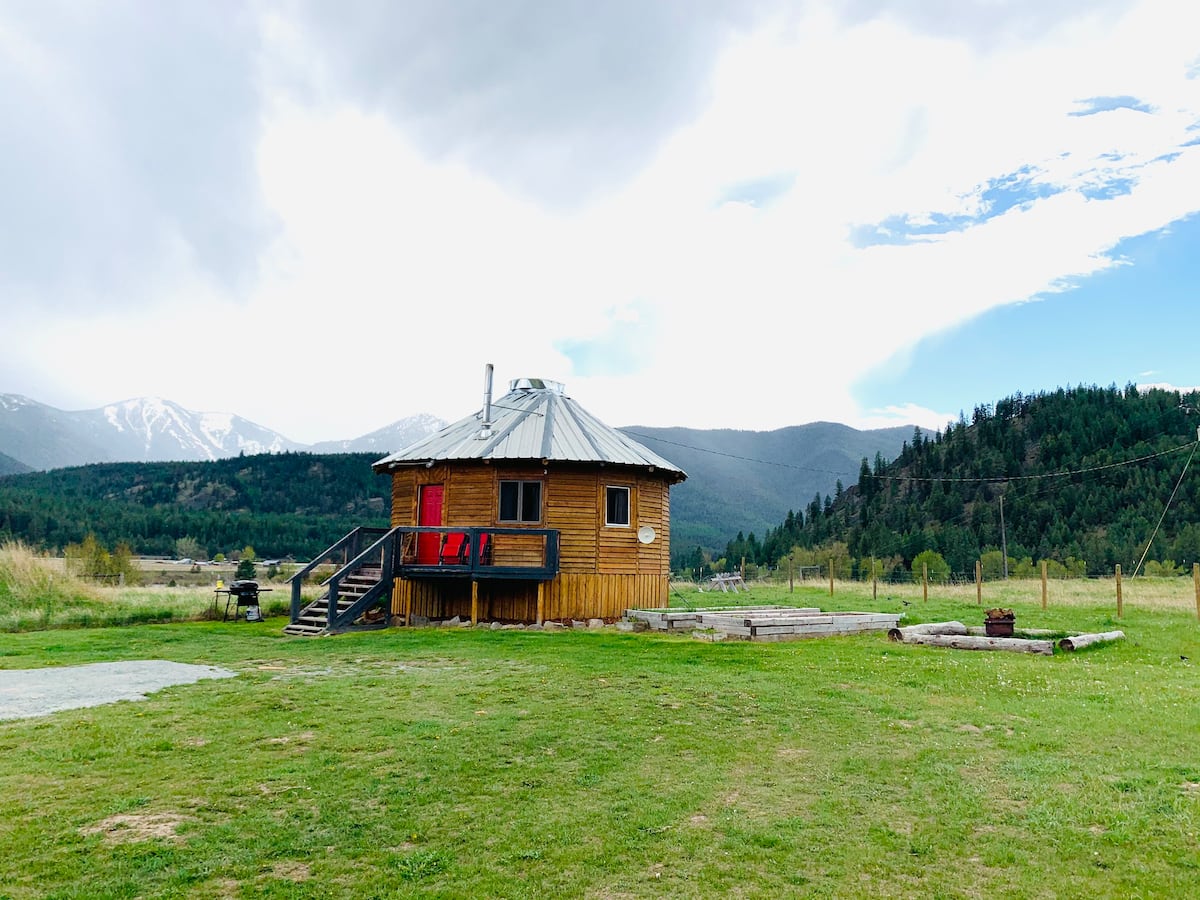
point(1003, 540)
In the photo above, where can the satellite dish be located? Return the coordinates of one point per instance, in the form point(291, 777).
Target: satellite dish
point(646, 534)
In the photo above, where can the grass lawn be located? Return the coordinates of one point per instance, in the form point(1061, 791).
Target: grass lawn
point(470, 763)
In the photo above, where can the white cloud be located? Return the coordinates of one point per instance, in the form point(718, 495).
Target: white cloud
point(405, 259)
point(906, 414)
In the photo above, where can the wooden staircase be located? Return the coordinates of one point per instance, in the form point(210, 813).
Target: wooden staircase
point(313, 620)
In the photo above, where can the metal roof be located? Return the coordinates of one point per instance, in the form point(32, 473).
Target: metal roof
point(535, 420)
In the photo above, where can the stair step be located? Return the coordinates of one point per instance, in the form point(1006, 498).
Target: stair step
point(302, 631)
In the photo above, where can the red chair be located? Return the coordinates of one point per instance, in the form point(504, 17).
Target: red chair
point(455, 547)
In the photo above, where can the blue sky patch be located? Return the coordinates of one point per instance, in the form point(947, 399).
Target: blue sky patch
point(624, 347)
point(1114, 187)
point(1016, 189)
point(1140, 311)
point(1093, 105)
point(760, 192)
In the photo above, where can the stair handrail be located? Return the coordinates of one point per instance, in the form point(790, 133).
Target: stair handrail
point(353, 537)
point(336, 619)
point(335, 579)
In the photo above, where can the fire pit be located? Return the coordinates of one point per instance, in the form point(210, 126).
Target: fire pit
point(998, 622)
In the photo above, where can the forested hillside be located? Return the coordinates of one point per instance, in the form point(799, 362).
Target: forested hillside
point(1085, 474)
point(10, 466)
point(285, 503)
point(750, 479)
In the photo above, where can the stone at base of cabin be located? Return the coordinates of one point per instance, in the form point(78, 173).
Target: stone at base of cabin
point(512, 627)
point(632, 625)
point(595, 623)
point(624, 625)
point(553, 626)
point(396, 621)
point(578, 623)
point(418, 621)
point(453, 623)
point(496, 626)
point(465, 623)
point(483, 624)
point(534, 627)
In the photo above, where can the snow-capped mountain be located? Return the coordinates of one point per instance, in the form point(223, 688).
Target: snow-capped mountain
point(388, 439)
point(151, 429)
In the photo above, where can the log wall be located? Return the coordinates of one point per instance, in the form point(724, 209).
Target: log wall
point(603, 569)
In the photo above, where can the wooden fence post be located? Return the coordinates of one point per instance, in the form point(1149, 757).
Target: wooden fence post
point(875, 585)
point(1120, 600)
point(791, 577)
point(1196, 583)
point(978, 582)
point(742, 570)
point(1043, 584)
point(474, 602)
point(831, 576)
point(925, 582)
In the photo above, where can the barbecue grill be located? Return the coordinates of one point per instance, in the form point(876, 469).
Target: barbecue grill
point(240, 594)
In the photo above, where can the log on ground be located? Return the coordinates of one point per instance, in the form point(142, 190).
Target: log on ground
point(1079, 641)
point(1024, 632)
point(899, 634)
point(972, 642)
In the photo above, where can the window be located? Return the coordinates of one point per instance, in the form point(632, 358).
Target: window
point(617, 506)
point(520, 501)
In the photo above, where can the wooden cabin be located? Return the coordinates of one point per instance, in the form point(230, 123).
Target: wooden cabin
point(530, 509)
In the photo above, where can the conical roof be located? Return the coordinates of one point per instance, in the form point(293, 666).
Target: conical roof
point(535, 420)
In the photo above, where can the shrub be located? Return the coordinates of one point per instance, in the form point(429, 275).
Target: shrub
point(1165, 569)
point(91, 559)
point(939, 569)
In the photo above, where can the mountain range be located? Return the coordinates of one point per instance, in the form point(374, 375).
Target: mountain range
point(737, 480)
point(34, 436)
point(749, 480)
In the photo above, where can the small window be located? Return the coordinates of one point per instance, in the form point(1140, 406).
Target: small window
point(520, 501)
point(617, 506)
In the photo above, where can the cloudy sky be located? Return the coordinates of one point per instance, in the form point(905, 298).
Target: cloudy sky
point(325, 217)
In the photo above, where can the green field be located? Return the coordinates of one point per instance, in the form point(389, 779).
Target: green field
point(472, 763)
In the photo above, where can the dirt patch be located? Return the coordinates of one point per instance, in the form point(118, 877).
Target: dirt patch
point(291, 870)
point(130, 828)
point(292, 738)
point(38, 692)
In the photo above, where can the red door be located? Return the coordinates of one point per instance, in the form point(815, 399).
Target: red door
point(429, 512)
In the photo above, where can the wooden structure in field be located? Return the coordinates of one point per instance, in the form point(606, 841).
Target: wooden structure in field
point(530, 509)
point(765, 623)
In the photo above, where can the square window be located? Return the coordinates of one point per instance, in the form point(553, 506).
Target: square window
point(520, 501)
point(616, 505)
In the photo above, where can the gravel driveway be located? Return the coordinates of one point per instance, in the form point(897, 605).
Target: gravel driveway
point(38, 692)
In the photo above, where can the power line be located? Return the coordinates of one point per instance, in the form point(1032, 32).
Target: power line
point(992, 479)
point(765, 462)
point(1170, 500)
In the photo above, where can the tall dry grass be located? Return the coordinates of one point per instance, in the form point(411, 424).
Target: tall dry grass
point(27, 580)
point(1169, 594)
point(36, 594)
point(1164, 594)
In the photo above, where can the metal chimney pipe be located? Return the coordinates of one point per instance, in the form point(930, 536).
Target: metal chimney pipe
point(486, 431)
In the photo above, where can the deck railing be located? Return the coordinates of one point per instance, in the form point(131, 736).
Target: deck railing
point(446, 552)
point(481, 553)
